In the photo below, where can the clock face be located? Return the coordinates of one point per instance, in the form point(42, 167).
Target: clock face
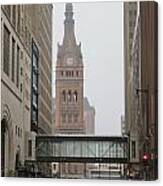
point(69, 61)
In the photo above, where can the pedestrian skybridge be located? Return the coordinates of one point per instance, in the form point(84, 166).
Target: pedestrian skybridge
point(88, 149)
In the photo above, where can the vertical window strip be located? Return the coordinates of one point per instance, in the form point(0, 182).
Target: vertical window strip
point(18, 51)
point(6, 51)
point(18, 23)
point(13, 60)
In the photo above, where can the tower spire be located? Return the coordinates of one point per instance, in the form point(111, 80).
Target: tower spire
point(69, 36)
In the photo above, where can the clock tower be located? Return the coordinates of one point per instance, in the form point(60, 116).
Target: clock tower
point(69, 81)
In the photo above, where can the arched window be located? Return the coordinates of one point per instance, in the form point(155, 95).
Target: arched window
point(75, 96)
point(64, 96)
point(69, 96)
point(62, 73)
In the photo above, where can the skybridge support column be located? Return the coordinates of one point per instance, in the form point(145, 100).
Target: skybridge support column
point(59, 171)
point(85, 170)
point(128, 164)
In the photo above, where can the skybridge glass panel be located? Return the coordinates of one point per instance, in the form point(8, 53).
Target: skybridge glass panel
point(89, 149)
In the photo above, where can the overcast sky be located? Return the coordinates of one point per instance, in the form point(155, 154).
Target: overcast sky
point(99, 28)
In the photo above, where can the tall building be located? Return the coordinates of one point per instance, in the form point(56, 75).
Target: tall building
point(69, 81)
point(89, 117)
point(149, 83)
point(130, 18)
point(69, 114)
point(141, 88)
point(44, 34)
point(26, 49)
point(130, 12)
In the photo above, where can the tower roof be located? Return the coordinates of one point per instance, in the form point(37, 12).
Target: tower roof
point(69, 7)
point(69, 45)
point(69, 36)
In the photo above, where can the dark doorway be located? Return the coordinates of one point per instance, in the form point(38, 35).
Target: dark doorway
point(3, 130)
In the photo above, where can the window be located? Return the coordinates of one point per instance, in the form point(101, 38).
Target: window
point(19, 132)
point(13, 60)
point(35, 100)
point(64, 96)
point(21, 87)
point(54, 166)
point(34, 115)
point(21, 71)
point(34, 90)
point(16, 129)
point(25, 35)
point(133, 149)
point(69, 73)
point(62, 73)
point(6, 51)
point(35, 62)
point(29, 148)
point(75, 96)
point(17, 78)
point(34, 81)
point(69, 95)
point(18, 22)
point(77, 73)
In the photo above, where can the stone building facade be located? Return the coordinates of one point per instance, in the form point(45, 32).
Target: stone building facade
point(149, 84)
point(141, 90)
point(20, 28)
point(132, 80)
point(130, 13)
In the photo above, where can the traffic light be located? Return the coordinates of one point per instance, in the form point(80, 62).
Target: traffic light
point(146, 158)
